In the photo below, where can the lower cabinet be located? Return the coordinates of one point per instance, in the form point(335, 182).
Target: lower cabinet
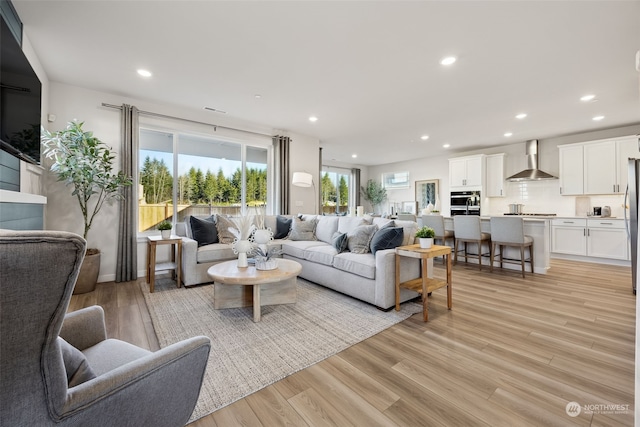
point(599, 238)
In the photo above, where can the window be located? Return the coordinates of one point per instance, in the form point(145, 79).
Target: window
point(183, 174)
point(337, 190)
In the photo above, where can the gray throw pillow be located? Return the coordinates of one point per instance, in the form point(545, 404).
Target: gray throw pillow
point(283, 227)
point(387, 238)
point(203, 230)
point(339, 241)
point(75, 364)
point(303, 230)
point(359, 239)
point(222, 225)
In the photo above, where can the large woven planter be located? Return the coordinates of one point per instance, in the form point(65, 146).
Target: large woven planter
point(88, 276)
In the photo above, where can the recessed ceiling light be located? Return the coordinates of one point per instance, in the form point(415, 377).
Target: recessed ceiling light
point(446, 146)
point(258, 96)
point(448, 60)
point(354, 156)
point(424, 137)
point(597, 118)
point(521, 116)
point(313, 119)
point(508, 134)
point(587, 98)
point(144, 73)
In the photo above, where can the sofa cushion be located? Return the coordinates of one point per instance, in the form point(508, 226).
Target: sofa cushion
point(298, 248)
point(409, 229)
point(387, 238)
point(303, 230)
point(215, 252)
point(283, 227)
point(327, 225)
point(339, 241)
point(348, 223)
point(222, 225)
point(383, 222)
point(359, 239)
point(361, 264)
point(75, 364)
point(203, 230)
point(322, 254)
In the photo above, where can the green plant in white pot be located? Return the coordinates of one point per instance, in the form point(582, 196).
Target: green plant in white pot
point(85, 163)
point(165, 229)
point(425, 235)
point(374, 193)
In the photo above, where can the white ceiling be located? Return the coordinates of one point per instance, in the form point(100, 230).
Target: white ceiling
point(369, 71)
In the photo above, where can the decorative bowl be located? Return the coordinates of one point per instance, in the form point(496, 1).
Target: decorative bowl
point(270, 264)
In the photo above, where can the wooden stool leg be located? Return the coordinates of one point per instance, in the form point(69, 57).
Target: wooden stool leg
point(531, 256)
point(480, 255)
point(522, 259)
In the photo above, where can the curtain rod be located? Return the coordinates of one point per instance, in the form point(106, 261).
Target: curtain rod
point(164, 116)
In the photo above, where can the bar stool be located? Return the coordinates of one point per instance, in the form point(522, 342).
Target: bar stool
point(509, 231)
point(467, 230)
point(437, 223)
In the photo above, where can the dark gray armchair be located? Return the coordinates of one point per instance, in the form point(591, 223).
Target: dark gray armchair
point(129, 386)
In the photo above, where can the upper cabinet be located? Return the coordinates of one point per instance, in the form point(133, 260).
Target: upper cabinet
point(495, 176)
point(596, 167)
point(466, 173)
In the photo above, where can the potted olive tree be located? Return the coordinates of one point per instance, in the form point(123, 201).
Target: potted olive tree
point(374, 193)
point(85, 163)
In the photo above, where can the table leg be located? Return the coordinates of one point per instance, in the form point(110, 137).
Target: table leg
point(179, 264)
point(256, 303)
point(449, 284)
point(152, 268)
point(425, 292)
point(148, 261)
point(397, 282)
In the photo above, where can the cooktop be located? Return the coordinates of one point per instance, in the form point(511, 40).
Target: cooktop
point(530, 214)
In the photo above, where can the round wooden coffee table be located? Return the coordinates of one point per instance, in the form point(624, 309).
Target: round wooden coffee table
point(241, 287)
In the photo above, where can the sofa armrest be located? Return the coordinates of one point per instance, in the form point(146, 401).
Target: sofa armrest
point(84, 328)
point(386, 274)
point(159, 389)
point(189, 260)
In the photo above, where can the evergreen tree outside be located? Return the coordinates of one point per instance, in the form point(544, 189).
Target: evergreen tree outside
point(343, 192)
point(328, 191)
point(157, 181)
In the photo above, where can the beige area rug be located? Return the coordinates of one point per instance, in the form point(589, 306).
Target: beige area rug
point(246, 356)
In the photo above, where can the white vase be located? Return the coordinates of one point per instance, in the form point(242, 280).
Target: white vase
point(426, 242)
point(166, 234)
point(241, 247)
point(262, 237)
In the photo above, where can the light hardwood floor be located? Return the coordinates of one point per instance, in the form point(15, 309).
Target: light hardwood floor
point(512, 352)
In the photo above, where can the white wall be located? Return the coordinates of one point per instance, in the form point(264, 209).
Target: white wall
point(537, 196)
point(71, 102)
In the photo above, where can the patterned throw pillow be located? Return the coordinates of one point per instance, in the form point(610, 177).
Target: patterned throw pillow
point(387, 238)
point(222, 225)
point(359, 238)
point(339, 241)
point(303, 230)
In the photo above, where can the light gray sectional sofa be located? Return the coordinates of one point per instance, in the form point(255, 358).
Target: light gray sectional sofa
point(365, 276)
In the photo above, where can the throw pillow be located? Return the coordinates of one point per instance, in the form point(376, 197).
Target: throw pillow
point(339, 241)
point(204, 230)
point(359, 239)
point(387, 238)
point(222, 225)
point(75, 364)
point(283, 227)
point(303, 230)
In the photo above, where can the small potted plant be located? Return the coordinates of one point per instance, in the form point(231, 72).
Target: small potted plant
point(165, 229)
point(426, 235)
point(266, 259)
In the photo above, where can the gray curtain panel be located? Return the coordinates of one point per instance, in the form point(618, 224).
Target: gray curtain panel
point(281, 145)
point(319, 181)
point(127, 261)
point(356, 184)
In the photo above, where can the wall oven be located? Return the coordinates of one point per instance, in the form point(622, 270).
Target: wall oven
point(465, 203)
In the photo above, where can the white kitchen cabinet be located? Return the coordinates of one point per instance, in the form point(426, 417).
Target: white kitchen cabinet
point(569, 236)
point(597, 237)
point(571, 169)
point(596, 167)
point(466, 173)
point(495, 175)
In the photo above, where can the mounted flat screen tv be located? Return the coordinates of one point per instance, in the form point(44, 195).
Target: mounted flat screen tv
point(20, 100)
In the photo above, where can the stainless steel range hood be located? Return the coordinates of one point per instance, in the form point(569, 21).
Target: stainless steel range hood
point(532, 173)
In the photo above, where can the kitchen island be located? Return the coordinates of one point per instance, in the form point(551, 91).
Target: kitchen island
point(538, 227)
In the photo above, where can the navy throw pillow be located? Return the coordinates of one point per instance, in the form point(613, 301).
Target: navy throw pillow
point(339, 241)
point(387, 238)
point(283, 226)
point(204, 230)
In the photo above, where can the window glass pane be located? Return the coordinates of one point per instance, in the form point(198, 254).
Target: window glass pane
point(335, 191)
point(256, 197)
point(155, 192)
point(209, 177)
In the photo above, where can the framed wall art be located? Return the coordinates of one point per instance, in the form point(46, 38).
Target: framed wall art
point(427, 191)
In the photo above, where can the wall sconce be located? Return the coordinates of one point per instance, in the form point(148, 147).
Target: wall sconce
point(305, 180)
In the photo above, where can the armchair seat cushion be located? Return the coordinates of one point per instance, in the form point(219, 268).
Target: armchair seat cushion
point(110, 354)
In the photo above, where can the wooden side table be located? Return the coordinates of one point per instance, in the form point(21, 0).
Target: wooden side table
point(176, 260)
point(423, 285)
